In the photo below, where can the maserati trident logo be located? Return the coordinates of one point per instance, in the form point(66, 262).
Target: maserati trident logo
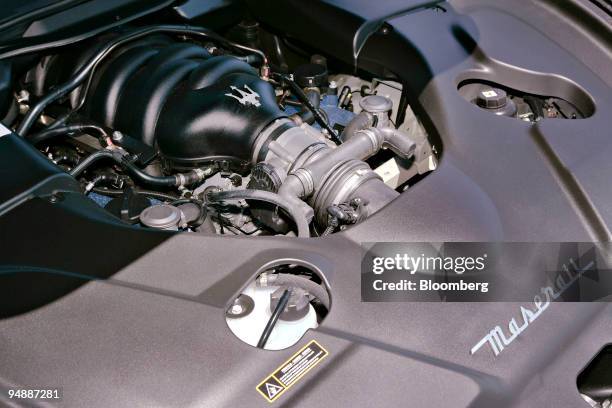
point(246, 97)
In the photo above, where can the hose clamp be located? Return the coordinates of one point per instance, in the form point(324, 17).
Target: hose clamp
point(373, 137)
point(305, 177)
point(201, 173)
point(180, 179)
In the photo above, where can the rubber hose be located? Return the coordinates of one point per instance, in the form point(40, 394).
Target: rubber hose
point(154, 194)
point(59, 121)
point(287, 279)
point(113, 178)
point(136, 173)
point(269, 197)
point(63, 130)
point(359, 122)
point(164, 181)
point(91, 159)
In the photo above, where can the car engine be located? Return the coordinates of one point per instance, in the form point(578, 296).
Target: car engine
point(179, 128)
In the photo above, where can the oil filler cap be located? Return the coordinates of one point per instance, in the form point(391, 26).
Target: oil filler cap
point(495, 100)
point(492, 98)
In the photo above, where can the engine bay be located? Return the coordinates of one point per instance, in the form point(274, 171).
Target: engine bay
point(180, 128)
point(144, 142)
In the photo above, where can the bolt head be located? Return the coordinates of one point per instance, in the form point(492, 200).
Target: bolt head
point(117, 136)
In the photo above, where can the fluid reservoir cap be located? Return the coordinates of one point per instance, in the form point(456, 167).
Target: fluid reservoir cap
point(376, 104)
point(491, 98)
point(162, 216)
point(310, 76)
point(297, 306)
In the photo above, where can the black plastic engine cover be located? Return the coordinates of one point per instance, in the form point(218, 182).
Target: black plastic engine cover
point(196, 107)
point(216, 119)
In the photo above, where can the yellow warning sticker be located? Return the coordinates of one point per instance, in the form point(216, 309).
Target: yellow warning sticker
point(291, 371)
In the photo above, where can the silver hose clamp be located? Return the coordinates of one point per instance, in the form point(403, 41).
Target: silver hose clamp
point(306, 179)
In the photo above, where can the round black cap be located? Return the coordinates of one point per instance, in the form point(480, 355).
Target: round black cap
point(311, 75)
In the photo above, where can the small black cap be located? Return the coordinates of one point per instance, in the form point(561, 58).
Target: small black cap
point(311, 75)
